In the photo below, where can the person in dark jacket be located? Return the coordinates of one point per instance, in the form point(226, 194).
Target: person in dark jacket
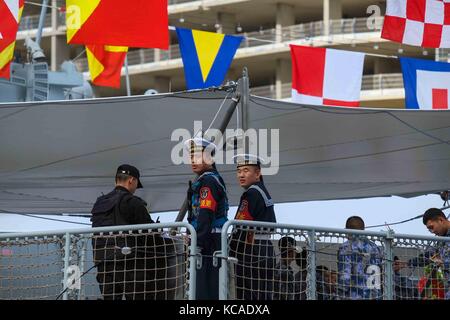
point(121, 260)
point(286, 285)
point(253, 249)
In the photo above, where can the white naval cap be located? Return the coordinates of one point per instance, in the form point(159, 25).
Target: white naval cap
point(248, 160)
point(200, 145)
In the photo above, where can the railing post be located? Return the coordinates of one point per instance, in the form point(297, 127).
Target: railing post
point(223, 271)
point(157, 55)
point(311, 266)
point(193, 266)
point(389, 272)
point(81, 291)
point(127, 76)
point(142, 56)
point(67, 254)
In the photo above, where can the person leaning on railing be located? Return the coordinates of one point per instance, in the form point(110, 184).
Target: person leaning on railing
point(436, 283)
point(286, 285)
point(404, 286)
point(359, 265)
point(122, 263)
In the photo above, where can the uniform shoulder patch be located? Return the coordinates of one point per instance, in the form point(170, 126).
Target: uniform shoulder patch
point(243, 212)
point(207, 200)
point(204, 192)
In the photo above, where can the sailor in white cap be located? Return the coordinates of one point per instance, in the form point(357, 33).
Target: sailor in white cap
point(254, 280)
point(208, 210)
point(257, 204)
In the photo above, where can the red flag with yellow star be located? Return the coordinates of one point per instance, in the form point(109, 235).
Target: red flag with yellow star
point(10, 13)
point(105, 64)
point(131, 23)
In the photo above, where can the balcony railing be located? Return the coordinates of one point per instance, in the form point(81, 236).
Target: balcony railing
point(257, 38)
point(443, 55)
point(32, 22)
point(172, 2)
point(369, 82)
point(382, 81)
point(141, 56)
point(307, 30)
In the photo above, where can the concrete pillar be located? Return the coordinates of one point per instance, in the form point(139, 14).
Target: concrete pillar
point(60, 50)
point(283, 76)
point(226, 23)
point(157, 55)
point(332, 10)
point(162, 84)
point(284, 17)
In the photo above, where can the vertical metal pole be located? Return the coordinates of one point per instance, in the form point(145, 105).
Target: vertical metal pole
point(127, 76)
point(389, 272)
point(41, 22)
point(244, 87)
point(311, 266)
point(193, 265)
point(223, 271)
point(81, 293)
point(66, 263)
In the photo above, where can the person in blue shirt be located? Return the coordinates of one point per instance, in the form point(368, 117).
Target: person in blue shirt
point(359, 266)
point(404, 287)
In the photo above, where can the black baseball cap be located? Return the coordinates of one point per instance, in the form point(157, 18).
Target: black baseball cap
point(130, 171)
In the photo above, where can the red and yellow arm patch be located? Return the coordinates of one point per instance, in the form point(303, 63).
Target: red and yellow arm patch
point(207, 200)
point(243, 212)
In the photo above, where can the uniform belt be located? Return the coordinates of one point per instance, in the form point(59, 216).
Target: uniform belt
point(216, 230)
point(262, 237)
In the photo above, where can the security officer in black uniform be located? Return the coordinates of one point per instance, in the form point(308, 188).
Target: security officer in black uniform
point(208, 209)
point(253, 249)
point(121, 259)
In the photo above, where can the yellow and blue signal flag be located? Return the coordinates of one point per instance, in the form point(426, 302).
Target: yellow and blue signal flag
point(207, 56)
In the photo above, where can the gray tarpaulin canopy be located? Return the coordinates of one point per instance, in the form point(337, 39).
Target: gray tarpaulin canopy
point(57, 157)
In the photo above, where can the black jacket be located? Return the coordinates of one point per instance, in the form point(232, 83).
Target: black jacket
point(131, 209)
point(119, 207)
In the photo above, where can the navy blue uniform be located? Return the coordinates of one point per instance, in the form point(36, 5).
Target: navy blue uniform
point(253, 249)
point(208, 209)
